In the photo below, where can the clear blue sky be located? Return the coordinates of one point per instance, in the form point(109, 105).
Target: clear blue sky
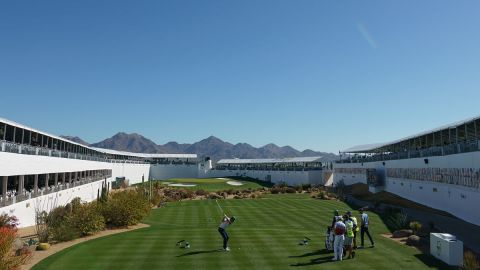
point(324, 75)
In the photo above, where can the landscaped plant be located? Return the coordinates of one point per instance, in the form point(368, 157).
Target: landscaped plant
point(8, 256)
point(470, 261)
point(415, 226)
point(87, 219)
point(59, 225)
point(8, 221)
point(41, 227)
point(126, 208)
point(395, 219)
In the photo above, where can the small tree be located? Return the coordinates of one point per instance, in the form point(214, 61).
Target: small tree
point(41, 227)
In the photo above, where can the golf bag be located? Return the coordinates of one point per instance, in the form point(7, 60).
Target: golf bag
point(329, 238)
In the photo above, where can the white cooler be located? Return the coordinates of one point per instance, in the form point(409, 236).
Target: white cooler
point(447, 248)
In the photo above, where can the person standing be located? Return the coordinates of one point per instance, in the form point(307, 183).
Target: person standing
point(226, 221)
point(364, 228)
point(349, 236)
point(356, 228)
point(339, 231)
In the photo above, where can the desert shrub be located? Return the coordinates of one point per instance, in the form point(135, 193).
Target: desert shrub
point(8, 258)
point(185, 193)
point(276, 190)
point(306, 186)
point(156, 199)
point(281, 185)
point(214, 196)
point(87, 219)
point(125, 208)
point(201, 192)
point(237, 197)
point(470, 261)
point(8, 221)
point(59, 226)
point(41, 227)
point(290, 190)
point(395, 219)
point(43, 246)
point(415, 226)
point(230, 191)
point(64, 232)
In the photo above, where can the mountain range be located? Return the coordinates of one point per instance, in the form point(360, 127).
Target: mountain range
point(212, 147)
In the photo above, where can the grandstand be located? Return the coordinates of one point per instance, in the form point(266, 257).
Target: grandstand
point(39, 171)
point(292, 171)
point(439, 168)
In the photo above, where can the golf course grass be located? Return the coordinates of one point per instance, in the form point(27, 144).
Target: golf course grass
point(266, 235)
point(215, 184)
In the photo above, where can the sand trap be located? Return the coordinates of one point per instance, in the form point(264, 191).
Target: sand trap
point(235, 183)
point(181, 185)
point(223, 178)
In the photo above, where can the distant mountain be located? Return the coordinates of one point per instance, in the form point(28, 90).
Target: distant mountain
point(212, 147)
point(129, 142)
point(75, 139)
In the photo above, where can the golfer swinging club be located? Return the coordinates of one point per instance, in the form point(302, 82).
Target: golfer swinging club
point(226, 221)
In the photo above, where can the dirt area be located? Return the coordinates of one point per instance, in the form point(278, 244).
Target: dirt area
point(40, 255)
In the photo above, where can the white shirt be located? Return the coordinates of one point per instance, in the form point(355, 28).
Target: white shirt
point(364, 220)
point(225, 223)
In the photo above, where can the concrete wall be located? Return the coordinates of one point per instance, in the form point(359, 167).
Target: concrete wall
point(132, 172)
point(454, 199)
point(19, 164)
point(290, 177)
point(25, 210)
point(168, 171)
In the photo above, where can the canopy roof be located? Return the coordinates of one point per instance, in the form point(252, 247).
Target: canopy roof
point(102, 150)
point(269, 160)
point(367, 148)
point(143, 155)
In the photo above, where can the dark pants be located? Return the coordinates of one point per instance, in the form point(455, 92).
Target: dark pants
point(354, 244)
point(225, 237)
point(363, 231)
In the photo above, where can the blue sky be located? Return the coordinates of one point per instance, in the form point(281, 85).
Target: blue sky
point(324, 75)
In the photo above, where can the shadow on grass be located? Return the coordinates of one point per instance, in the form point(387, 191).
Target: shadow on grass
point(315, 261)
point(315, 253)
point(200, 252)
point(432, 262)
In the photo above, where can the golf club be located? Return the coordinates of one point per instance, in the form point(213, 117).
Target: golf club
point(221, 210)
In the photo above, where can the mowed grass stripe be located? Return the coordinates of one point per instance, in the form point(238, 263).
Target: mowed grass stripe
point(265, 236)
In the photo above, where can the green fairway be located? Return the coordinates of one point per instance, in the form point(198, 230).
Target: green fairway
point(216, 184)
point(266, 235)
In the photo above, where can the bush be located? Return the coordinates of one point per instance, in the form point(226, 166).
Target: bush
point(8, 221)
point(87, 219)
point(470, 261)
point(8, 259)
point(290, 190)
point(43, 246)
point(276, 190)
point(156, 199)
point(201, 192)
point(415, 226)
point(59, 225)
point(395, 219)
point(125, 208)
